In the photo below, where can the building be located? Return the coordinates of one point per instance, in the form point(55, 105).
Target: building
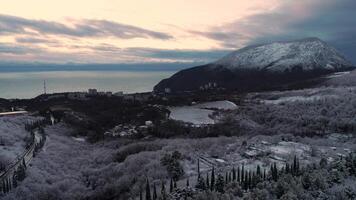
point(119, 94)
point(167, 90)
point(93, 92)
point(77, 96)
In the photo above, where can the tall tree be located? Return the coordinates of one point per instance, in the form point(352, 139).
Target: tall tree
point(163, 191)
point(258, 171)
point(198, 168)
point(233, 174)
point(219, 186)
point(212, 180)
point(148, 190)
point(207, 181)
point(201, 184)
point(171, 186)
point(238, 174)
point(154, 192)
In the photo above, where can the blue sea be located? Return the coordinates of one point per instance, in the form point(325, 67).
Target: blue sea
point(27, 81)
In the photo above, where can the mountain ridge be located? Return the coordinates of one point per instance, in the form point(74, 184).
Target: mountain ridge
point(259, 66)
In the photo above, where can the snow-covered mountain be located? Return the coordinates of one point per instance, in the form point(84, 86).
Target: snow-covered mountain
point(261, 66)
point(309, 53)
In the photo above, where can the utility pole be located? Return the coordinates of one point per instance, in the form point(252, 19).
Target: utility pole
point(44, 87)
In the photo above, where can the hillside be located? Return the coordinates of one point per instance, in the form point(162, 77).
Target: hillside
point(261, 66)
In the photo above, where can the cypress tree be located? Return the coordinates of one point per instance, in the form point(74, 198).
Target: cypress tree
point(287, 168)
point(198, 168)
point(14, 180)
point(207, 181)
point(174, 184)
point(226, 177)
point(243, 173)
point(264, 174)
point(163, 191)
point(238, 174)
point(171, 186)
point(249, 180)
point(141, 196)
point(258, 171)
point(154, 192)
point(275, 172)
point(245, 181)
point(230, 177)
point(187, 182)
point(233, 174)
point(212, 180)
point(297, 169)
point(201, 184)
point(294, 171)
point(148, 190)
point(220, 183)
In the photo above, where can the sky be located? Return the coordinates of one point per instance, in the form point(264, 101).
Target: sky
point(150, 31)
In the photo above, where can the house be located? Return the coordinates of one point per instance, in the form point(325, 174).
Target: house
point(93, 92)
point(138, 96)
point(119, 94)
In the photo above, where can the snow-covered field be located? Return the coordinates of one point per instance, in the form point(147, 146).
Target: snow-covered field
point(190, 114)
point(12, 136)
point(200, 114)
point(298, 98)
point(220, 105)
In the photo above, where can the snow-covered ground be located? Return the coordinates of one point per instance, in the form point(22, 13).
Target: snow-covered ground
point(220, 105)
point(338, 74)
point(200, 114)
point(190, 114)
point(12, 136)
point(298, 98)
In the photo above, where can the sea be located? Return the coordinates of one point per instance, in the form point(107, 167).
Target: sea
point(18, 81)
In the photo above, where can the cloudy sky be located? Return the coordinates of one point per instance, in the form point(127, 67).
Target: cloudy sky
point(138, 31)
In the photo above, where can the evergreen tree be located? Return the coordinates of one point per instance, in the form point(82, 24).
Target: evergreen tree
point(187, 182)
point(287, 168)
point(163, 191)
point(212, 180)
point(238, 175)
point(201, 184)
point(174, 184)
point(245, 181)
point(233, 174)
point(264, 174)
point(148, 190)
point(207, 181)
point(295, 169)
point(274, 172)
point(243, 173)
point(14, 180)
point(141, 196)
point(219, 186)
point(21, 173)
point(226, 178)
point(258, 171)
point(171, 186)
point(24, 163)
point(154, 192)
point(249, 179)
point(198, 168)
